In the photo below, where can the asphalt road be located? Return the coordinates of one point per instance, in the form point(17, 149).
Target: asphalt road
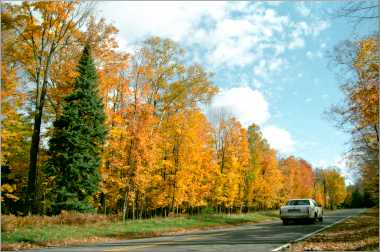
point(250, 237)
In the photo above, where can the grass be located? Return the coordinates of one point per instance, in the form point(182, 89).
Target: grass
point(19, 232)
point(356, 233)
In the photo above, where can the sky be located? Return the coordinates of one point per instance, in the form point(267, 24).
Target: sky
point(269, 60)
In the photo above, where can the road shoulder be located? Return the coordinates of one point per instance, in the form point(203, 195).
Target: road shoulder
point(356, 233)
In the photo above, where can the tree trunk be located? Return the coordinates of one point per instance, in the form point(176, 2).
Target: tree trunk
point(34, 148)
point(125, 206)
point(133, 209)
point(33, 157)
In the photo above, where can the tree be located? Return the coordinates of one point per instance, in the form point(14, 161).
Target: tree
point(358, 11)
point(41, 30)
point(359, 114)
point(307, 179)
point(232, 156)
point(75, 146)
point(257, 147)
point(265, 177)
point(333, 186)
point(15, 127)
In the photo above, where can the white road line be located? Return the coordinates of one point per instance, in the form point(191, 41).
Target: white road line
point(310, 234)
point(321, 229)
point(281, 247)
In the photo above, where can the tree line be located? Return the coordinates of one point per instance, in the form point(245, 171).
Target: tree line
point(96, 129)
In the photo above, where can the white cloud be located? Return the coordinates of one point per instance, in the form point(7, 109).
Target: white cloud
point(308, 99)
point(274, 3)
point(233, 52)
point(279, 49)
point(311, 55)
point(276, 64)
point(220, 34)
point(279, 139)
point(297, 42)
point(265, 68)
point(247, 105)
point(237, 41)
point(260, 68)
point(257, 83)
point(321, 163)
point(319, 26)
point(165, 18)
point(302, 9)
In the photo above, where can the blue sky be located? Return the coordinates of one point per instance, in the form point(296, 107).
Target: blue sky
point(269, 60)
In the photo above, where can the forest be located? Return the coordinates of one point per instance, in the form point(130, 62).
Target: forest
point(88, 128)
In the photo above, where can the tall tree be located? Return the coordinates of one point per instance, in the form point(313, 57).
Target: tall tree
point(15, 129)
point(257, 147)
point(76, 143)
point(359, 113)
point(42, 30)
point(333, 186)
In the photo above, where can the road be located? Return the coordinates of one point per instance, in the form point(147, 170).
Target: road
point(249, 237)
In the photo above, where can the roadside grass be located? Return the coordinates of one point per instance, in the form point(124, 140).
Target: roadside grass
point(356, 233)
point(21, 232)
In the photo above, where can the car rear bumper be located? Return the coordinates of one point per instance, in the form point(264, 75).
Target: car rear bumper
point(295, 216)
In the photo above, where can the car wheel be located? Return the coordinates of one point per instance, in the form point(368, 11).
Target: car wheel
point(285, 222)
point(320, 219)
point(315, 218)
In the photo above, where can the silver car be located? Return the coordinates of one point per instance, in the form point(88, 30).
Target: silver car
point(301, 209)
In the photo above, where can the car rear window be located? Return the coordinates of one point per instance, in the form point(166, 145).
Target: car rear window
point(298, 203)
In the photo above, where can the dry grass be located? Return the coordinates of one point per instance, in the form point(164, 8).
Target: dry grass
point(11, 222)
point(357, 233)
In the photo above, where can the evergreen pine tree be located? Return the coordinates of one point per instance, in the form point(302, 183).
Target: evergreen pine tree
point(75, 146)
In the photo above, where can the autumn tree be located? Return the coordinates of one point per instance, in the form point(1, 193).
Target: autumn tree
point(231, 147)
point(14, 126)
point(75, 146)
point(172, 90)
point(359, 114)
point(188, 165)
point(300, 178)
point(257, 145)
point(334, 189)
point(265, 176)
point(41, 30)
